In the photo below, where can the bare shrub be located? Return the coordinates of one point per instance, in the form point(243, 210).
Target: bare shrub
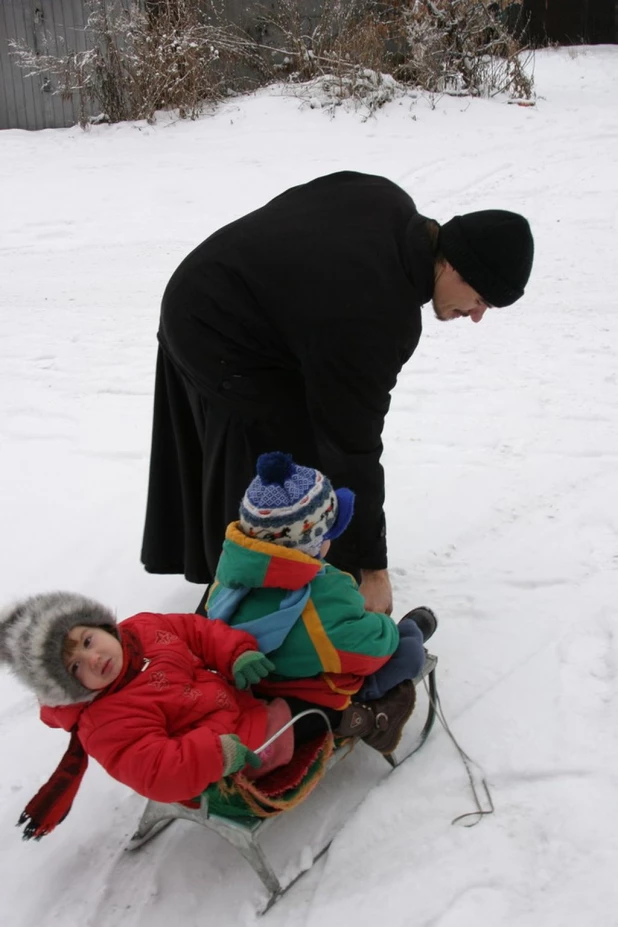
point(443, 46)
point(339, 55)
point(337, 40)
point(168, 54)
point(365, 91)
point(188, 55)
point(146, 55)
point(463, 47)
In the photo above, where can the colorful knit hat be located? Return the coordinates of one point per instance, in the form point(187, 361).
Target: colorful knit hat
point(294, 506)
point(32, 634)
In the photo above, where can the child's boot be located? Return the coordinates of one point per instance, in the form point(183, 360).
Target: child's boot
point(357, 720)
point(391, 713)
point(424, 619)
point(380, 722)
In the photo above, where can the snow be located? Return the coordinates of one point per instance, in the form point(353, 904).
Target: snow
point(500, 452)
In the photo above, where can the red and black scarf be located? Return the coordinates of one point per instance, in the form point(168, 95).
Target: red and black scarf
point(52, 803)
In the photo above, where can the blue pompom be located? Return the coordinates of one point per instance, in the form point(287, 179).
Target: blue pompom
point(275, 467)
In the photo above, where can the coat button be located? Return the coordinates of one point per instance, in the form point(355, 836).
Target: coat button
point(226, 384)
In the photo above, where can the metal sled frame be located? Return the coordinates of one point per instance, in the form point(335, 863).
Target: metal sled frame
point(245, 834)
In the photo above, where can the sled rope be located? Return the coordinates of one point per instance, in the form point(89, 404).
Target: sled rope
point(237, 796)
point(468, 764)
point(308, 711)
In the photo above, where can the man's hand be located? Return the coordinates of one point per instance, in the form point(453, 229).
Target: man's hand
point(376, 588)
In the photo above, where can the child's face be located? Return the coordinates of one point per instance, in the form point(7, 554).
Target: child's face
point(95, 658)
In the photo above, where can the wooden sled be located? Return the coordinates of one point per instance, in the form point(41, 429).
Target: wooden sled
point(244, 834)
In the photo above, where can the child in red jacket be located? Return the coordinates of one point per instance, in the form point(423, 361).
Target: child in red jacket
point(160, 701)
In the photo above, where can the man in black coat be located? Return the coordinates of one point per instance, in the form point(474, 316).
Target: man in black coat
point(286, 330)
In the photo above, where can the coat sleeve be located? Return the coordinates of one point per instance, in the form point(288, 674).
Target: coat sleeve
point(360, 641)
point(214, 642)
point(349, 371)
point(136, 750)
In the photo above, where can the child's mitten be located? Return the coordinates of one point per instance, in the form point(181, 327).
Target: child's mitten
point(236, 755)
point(250, 667)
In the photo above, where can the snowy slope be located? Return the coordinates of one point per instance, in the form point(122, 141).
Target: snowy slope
point(501, 456)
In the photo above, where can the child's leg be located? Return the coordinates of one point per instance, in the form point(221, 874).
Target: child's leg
point(313, 725)
point(380, 722)
point(406, 663)
point(280, 752)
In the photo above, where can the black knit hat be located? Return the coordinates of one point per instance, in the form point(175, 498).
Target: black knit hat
point(492, 250)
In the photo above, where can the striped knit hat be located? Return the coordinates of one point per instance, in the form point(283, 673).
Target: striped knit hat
point(294, 506)
point(32, 634)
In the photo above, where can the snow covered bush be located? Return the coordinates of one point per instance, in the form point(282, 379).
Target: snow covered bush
point(146, 55)
point(442, 46)
point(463, 47)
point(363, 90)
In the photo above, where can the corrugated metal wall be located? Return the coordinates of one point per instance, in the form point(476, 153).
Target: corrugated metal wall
point(54, 26)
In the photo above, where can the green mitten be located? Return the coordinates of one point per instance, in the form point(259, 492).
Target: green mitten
point(236, 755)
point(250, 667)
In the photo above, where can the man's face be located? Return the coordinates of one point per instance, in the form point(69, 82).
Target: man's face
point(93, 656)
point(453, 298)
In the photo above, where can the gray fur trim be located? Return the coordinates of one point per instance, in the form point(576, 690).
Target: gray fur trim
point(32, 634)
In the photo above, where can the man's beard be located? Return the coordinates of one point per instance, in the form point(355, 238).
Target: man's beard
point(440, 313)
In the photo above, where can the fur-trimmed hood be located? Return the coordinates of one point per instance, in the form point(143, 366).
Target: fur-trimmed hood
point(32, 634)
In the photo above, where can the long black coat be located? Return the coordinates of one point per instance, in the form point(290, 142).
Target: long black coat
point(284, 330)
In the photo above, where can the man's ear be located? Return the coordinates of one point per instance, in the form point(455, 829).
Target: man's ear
point(440, 266)
point(443, 267)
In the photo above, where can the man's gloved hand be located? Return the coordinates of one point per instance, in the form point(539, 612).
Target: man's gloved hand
point(250, 667)
point(236, 755)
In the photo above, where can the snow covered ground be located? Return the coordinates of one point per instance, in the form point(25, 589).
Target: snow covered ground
point(501, 457)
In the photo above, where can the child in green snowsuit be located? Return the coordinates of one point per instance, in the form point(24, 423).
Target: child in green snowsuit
point(307, 616)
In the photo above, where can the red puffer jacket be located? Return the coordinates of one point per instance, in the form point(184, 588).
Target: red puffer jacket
point(159, 734)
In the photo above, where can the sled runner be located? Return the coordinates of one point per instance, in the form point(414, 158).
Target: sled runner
point(243, 830)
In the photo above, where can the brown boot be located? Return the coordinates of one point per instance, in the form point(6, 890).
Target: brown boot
point(380, 722)
point(356, 721)
point(391, 713)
